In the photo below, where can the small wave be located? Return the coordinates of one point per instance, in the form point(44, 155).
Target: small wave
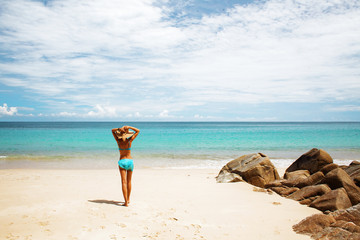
point(205, 164)
point(3, 156)
point(344, 161)
point(282, 163)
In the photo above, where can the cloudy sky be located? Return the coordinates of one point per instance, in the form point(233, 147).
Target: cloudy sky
point(190, 60)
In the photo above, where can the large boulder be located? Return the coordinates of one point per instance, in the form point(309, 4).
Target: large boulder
point(303, 182)
point(228, 177)
point(314, 224)
point(296, 174)
point(255, 169)
point(275, 183)
point(328, 168)
point(340, 224)
point(336, 233)
point(357, 181)
point(338, 178)
point(354, 172)
point(284, 191)
point(348, 226)
point(351, 214)
point(310, 191)
point(333, 200)
point(313, 160)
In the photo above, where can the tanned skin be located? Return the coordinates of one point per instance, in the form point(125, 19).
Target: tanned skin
point(124, 143)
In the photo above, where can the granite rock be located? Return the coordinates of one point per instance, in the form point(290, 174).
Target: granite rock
point(332, 200)
point(313, 160)
point(256, 169)
point(338, 178)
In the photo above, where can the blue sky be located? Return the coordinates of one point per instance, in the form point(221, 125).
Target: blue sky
point(205, 60)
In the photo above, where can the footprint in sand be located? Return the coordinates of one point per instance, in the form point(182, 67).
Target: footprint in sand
point(12, 237)
point(43, 224)
point(85, 228)
point(197, 228)
point(72, 238)
point(123, 225)
point(179, 237)
point(113, 237)
point(48, 231)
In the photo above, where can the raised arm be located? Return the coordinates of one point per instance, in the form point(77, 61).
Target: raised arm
point(136, 130)
point(113, 132)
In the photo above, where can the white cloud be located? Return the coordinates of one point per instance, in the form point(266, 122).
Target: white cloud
point(198, 116)
point(136, 115)
point(133, 57)
point(346, 108)
point(8, 111)
point(103, 111)
point(64, 114)
point(164, 113)
point(14, 111)
point(279, 52)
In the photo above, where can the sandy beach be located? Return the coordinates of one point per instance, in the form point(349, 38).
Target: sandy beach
point(165, 204)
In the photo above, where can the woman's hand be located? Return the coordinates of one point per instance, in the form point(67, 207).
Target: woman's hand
point(135, 130)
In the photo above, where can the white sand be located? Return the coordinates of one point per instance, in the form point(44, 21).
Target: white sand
point(165, 204)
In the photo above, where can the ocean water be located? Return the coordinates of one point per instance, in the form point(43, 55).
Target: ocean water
point(171, 144)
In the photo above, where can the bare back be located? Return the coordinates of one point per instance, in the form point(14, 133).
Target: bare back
point(124, 148)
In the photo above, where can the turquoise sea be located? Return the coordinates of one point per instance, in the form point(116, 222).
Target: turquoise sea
point(171, 144)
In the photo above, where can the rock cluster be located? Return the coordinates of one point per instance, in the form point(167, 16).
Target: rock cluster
point(340, 224)
point(313, 180)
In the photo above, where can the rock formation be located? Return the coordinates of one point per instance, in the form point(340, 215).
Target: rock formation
point(354, 172)
point(332, 200)
point(313, 161)
point(340, 224)
point(338, 178)
point(255, 169)
point(314, 180)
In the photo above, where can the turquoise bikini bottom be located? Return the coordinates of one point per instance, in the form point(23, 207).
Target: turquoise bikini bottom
point(126, 164)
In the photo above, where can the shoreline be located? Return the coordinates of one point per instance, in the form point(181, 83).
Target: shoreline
point(165, 204)
point(187, 164)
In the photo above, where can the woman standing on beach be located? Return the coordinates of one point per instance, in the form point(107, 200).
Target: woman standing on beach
point(124, 140)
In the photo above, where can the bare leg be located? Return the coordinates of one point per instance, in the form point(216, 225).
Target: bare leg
point(128, 178)
point(124, 185)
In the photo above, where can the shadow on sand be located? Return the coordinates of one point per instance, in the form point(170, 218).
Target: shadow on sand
point(117, 203)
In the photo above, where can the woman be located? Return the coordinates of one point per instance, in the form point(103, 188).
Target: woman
point(124, 140)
